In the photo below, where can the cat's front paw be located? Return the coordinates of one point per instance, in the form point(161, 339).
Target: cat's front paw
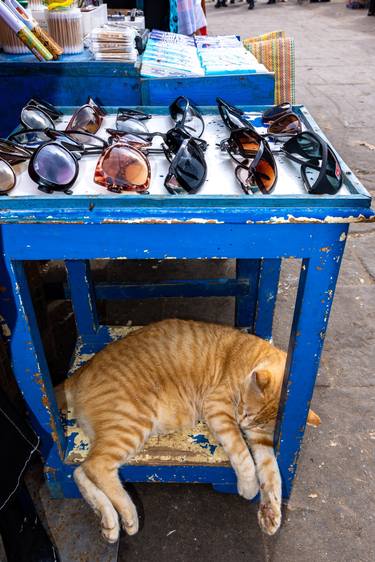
point(248, 487)
point(269, 517)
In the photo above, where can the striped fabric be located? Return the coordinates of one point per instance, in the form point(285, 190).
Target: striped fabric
point(277, 53)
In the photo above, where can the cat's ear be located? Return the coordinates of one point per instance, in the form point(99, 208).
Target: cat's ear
point(259, 380)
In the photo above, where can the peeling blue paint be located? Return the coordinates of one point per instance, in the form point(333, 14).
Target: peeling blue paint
point(203, 442)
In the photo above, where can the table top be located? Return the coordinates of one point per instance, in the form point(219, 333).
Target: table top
point(220, 199)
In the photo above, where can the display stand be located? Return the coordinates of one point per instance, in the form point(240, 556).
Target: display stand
point(258, 231)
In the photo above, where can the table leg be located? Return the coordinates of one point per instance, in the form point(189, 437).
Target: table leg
point(268, 284)
point(313, 304)
point(246, 305)
point(29, 363)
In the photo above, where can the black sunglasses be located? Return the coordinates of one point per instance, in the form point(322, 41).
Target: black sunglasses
point(187, 170)
point(320, 169)
point(232, 116)
point(187, 116)
point(276, 112)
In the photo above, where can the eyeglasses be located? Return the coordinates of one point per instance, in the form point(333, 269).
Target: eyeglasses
point(233, 117)
point(259, 173)
point(320, 169)
point(47, 107)
point(187, 170)
point(187, 116)
point(87, 118)
point(122, 167)
point(77, 141)
point(54, 168)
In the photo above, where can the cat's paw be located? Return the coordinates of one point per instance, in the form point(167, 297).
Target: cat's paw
point(131, 526)
point(269, 517)
point(248, 487)
point(111, 535)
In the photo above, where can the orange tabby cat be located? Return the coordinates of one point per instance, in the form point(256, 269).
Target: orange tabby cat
point(165, 377)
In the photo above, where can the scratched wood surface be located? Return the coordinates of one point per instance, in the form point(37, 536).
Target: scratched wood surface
point(192, 446)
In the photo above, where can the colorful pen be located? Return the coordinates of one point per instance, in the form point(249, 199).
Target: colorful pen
point(24, 34)
point(33, 25)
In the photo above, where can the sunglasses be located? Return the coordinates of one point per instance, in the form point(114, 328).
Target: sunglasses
point(320, 169)
point(88, 118)
point(122, 167)
point(53, 167)
point(124, 113)
point(77, 141)
point(233, 117)
point(187, 170)
point(12, 153)
point(187, 116)
point(172, 138)
point(276, 112)
point(258, 168)
point(7, 177)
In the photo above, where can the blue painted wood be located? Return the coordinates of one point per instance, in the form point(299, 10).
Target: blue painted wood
point(83, 298)
point(239, 89)
point(179, 241)
point(268, 283)
point(315, 294)
point(223, 478)
point(28, 360)
point(246, 304)
point(179, 288)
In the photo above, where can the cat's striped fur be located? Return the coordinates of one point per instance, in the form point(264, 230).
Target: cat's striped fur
point(165, 377)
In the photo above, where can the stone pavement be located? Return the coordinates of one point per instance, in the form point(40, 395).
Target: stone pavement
point(331, 516)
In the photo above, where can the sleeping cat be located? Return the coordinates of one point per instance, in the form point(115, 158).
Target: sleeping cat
point(165, 377)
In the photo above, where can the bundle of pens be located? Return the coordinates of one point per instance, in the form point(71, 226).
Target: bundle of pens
point(28, 31)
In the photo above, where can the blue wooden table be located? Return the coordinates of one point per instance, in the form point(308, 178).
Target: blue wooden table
point(257, 231)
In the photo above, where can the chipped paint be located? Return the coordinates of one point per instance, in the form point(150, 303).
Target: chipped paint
point(151, 220)
point(326, 249)
point(290, 219)
point(342, 237)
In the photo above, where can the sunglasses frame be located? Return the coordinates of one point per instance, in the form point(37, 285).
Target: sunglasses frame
point(48, 186)
point(184, 112)
point(285, 133)
point(232, 146)
point(97, 110)
point(46, 107)
point(174, 164)
point(277, 111)
point(314, 164)
point(239, 114)
point(132, 114)
point(133, 187)
point(16, 154)
point(5, 192)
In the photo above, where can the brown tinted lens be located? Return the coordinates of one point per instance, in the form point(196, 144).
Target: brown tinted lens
point(265, 173)
point(122, 168)
point(7, 177)
point(85, 119)
point(287, 124)
point(247, 143)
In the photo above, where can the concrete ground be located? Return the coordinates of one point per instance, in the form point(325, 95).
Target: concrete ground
point(331, 515)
